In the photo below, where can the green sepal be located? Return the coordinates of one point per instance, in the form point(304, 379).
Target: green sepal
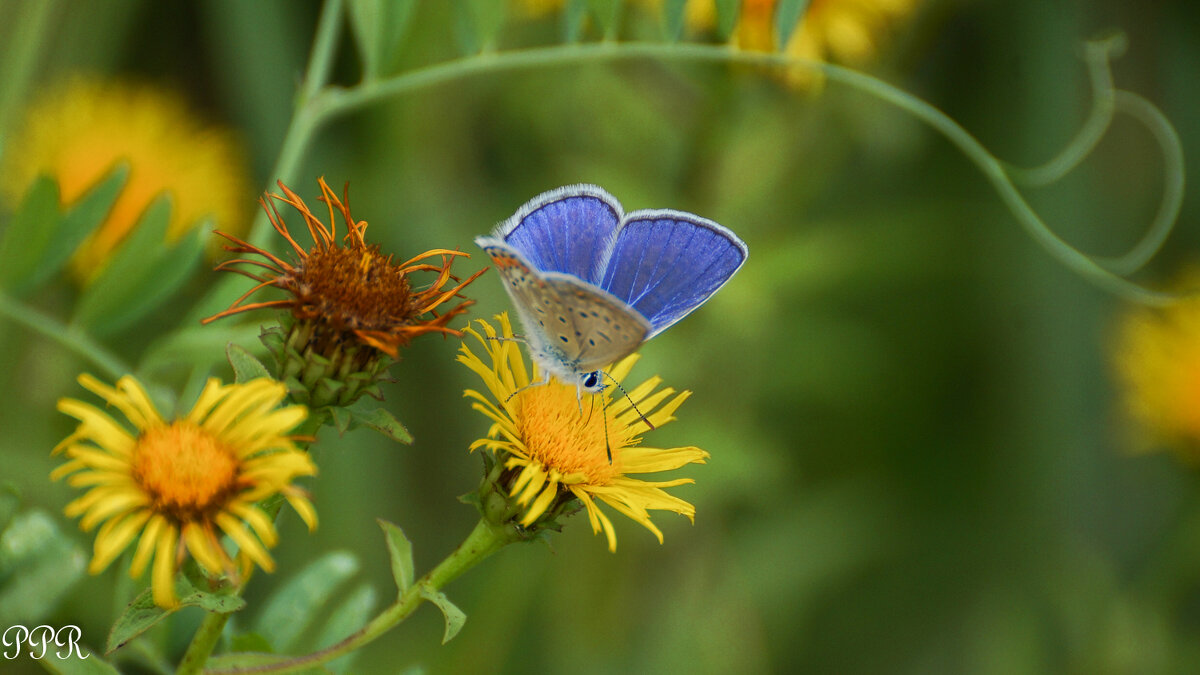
point(343, 421)
point(141, 273)
point(727, 18)
point(477, 23)
point(299, 601)
point(380, 28)
point(349, 616)
point(788, 15)
point(400, 553)
point(673, 11)
point(29, 234)
point(455, 617)
point(245, 366)
point(80, 661)
point(38, 565)
point(142, 614)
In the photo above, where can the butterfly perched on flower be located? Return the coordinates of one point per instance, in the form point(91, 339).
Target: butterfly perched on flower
point(591, 283)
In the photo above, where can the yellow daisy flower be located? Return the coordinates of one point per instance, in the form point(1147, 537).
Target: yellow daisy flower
point(554, 453)
point(77, 131)
point(177, 486)
point(1156, 357)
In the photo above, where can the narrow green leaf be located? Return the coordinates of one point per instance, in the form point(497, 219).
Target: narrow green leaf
point(80, 660)
point(477, 23)
point(788, 15)
point(294, 607)
point(382, 421)
point(380, 28)
point(38, 566)
point(400, 551)
point(84, 217)
point(245, 366)
point(250, 642)
point(30, 233)
point(197, 345)
point(574, 14)
point(455, 618)
point(351, 615)
point(142, 614)
point(673, 11)
point(342, 419)
point(142, 273)
point(727, 18)
point(608, 16)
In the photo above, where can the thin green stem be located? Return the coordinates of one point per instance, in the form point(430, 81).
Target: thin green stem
point(71, 338)
point(483, 541)
point(332, 102)
point(202, 644)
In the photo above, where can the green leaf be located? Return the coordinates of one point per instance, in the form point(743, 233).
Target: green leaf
point(380, 420)
point(250, 642)
point(477, 23)
point(574, 14)
point(400, 551)
point(142, 614)
point(608, 15)
point(351, 615)
point(79, 661)
point(380, 28)
point(727, 18)
point(141, 274)
point(245, 366)
point(673, 18)
point(38, 565)
point(299, 601)
point(29, 234)
point(455, 618)
point(788, 15)
point(343, 421)
point(197, 345)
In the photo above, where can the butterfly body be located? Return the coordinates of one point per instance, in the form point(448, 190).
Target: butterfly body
point(590, 283)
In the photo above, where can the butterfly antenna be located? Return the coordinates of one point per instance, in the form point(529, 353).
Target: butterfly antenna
point(635, 408)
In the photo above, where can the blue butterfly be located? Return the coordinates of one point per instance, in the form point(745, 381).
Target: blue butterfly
point(591, 283)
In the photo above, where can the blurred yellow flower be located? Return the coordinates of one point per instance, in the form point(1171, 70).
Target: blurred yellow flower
point(846, 31)
point(181, 484)
point(77, 131)
point(554, 453)
point(1156, 356)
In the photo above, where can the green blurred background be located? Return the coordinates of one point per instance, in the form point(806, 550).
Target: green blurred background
point(918, 463)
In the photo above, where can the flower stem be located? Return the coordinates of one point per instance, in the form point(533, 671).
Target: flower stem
point(202, 643)
point(483, 541)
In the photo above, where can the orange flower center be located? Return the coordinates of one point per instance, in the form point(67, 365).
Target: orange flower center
point(560, 436)
point(186, 471)
point(354, 288)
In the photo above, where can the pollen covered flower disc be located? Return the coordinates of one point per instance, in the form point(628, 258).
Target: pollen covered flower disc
point(556, 448)
point(176, 487)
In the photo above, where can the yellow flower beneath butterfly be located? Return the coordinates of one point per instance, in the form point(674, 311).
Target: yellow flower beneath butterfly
point(177, 486)
point(554, 452)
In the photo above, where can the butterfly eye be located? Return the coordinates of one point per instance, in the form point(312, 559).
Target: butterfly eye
point(591, 381)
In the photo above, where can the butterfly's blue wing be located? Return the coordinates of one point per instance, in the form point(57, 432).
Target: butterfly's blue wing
point(572, 327)
point(568, 230)
point(667, 263)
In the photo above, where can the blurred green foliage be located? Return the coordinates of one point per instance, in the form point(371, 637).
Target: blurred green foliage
point(917, 462)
